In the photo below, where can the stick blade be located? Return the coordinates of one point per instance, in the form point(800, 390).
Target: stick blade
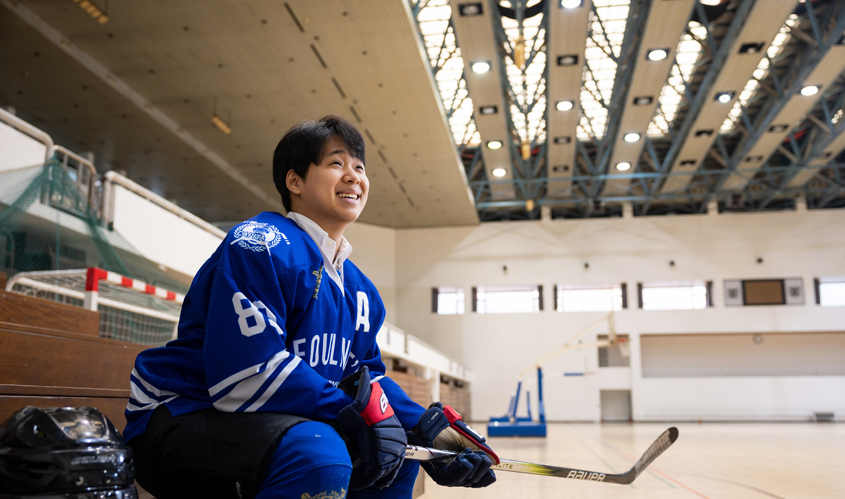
point(663, 442)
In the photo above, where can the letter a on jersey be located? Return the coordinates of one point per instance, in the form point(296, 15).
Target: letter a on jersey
point(363, 312)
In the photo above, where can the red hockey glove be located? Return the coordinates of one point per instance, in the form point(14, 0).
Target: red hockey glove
point(377, 443)
point(442, 428)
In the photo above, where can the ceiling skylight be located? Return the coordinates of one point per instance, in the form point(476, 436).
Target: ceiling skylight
point(762, 70)
point(448, 66)
point(686, 56)
point(529, 90)
point(607, 29)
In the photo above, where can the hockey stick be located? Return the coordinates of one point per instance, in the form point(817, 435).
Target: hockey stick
point(662, 443)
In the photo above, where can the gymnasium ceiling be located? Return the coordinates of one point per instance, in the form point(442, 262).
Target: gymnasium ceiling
point(727, 117)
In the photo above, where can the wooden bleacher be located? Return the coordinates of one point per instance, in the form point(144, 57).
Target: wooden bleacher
point(51, 355)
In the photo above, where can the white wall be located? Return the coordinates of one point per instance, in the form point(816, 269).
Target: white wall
point(19, 150)
point(374, 252)
point(159, 235)
point(704, 247)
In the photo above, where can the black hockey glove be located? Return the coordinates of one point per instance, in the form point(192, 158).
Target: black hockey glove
point(442, 428)
point(377, 440)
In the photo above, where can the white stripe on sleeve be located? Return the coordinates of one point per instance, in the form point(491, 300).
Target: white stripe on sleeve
point(247, 388)
point(231, 380)
point(271, 390)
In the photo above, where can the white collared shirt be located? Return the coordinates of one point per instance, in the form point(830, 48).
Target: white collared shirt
point(332, 264)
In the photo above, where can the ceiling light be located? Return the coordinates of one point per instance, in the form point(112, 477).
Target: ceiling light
point(750, 48)
point(703, 133)
point(632, 137)
point(93, 11)
point(564, 105)
point(567, 60)
point(753, 159)
point(480, 67)
point(563, 140)
point(623, 166)
point(688, 162)
point(470, 9)
point(643, 100)
point(488, 110)
point(219, 123)
point(810, 90)
point(724, 97)
point(560, 168)
point(494, 144)
point(657, 54)
point(570, 4)
point(710, 2)
point(778, 128)
point(500, 172)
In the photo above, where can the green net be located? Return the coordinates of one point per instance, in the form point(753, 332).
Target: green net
point(49, 222)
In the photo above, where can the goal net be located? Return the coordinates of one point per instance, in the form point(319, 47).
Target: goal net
point(130, 310)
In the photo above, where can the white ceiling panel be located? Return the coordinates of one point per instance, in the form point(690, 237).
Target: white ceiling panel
point(478, 43)
point(667, 21)
point(763, 23)
point(568, 34)
point(831, 65)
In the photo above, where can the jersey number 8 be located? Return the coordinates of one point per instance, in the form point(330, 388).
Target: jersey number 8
point(254, 311)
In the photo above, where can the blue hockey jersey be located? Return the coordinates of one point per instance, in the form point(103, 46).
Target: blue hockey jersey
point(261, 329)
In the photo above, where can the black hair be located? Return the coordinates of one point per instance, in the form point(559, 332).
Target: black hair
point(303, 145)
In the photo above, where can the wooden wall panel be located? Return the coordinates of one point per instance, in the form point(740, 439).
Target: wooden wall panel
point(457, 397)
point(48, 368)
point(418, 389)
point(19, 309)
point(40, 357)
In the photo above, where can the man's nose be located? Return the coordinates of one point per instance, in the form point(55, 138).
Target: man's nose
point(352, 177)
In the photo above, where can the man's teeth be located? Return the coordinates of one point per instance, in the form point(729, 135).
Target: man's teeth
point(348, 196)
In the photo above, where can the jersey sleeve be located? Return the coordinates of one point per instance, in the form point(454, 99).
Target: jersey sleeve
point(407, 411)
point(247, 365)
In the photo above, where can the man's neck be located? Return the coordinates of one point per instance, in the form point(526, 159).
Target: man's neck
point(335, 233)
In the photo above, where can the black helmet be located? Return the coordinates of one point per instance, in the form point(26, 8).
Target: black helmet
point(64, 452)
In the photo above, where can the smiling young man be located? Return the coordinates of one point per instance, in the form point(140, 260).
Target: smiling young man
point(275, 385)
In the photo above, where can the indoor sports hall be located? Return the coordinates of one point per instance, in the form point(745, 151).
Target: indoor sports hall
point(609, 234)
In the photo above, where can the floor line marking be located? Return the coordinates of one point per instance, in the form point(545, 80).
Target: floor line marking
point(648, 470)
point(612, 468)
point(738, 484)
point(655, 470)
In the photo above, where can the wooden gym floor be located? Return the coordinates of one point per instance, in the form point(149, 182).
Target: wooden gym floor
point(710, 461)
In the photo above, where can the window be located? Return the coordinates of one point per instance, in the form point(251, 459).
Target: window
point(830, 291)
point(447, 301)
point(590, 298)
point(675, 295)
point(507, 299)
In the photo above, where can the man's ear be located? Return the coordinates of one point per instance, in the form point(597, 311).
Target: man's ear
point(293, 182)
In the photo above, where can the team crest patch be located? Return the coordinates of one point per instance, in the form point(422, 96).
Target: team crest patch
point(258, 236)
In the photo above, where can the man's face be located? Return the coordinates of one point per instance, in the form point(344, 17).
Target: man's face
point(334, 192)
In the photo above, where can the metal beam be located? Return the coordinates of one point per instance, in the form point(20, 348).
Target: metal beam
point(665, 28)
point(814, 66)
point(702, 97)
point(631, 42)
